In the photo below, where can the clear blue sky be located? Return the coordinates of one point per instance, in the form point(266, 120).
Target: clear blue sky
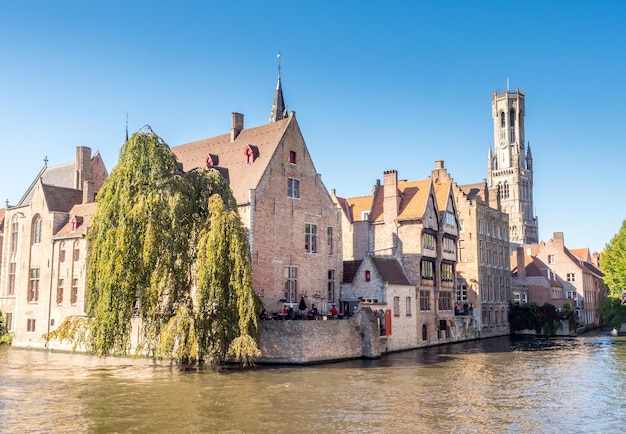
point(375, 85)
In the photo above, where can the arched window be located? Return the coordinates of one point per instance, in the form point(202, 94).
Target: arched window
point(37, 226)
point(505, 190)
point(424, 333)
point(512, 118)
point(502, 120)
point(15, 231)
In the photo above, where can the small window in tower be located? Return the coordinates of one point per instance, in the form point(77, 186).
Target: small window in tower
point(502, 120)
point(292, 157)
point(512, 118)
point(367, 275)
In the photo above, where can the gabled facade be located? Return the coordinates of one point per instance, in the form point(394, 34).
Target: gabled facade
point(415, 224)
point(483, 273)
point(294, 227)
point(534, 282)
point(581, 281)
point(43, 265)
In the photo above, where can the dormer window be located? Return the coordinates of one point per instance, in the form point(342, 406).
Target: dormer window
point(74, 224)
point(292, 157)
point(211, 160)
point(367, 275)
point(251, 153)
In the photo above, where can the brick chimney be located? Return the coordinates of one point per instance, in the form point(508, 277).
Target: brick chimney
point(559, 238)
point(82, 166)
point(521, 266)
point(237, 126)
point(391, 203)
point(89, 192)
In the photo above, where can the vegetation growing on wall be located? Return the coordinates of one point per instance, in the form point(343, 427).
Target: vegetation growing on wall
point(169, 248)
point(544, 320)
point(5, 336)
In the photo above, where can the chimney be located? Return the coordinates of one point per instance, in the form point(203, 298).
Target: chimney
point(439, 164)
point(391, 201)
point(558, 236)
point(89, 194)
point(237, 126)
point(82, 166)
point(521, 266)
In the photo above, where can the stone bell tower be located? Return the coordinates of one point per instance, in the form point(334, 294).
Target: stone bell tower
point(510, 166)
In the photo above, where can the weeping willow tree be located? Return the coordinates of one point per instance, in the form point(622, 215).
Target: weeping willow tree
point(148, 252)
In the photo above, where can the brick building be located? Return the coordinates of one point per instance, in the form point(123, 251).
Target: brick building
point(413, 224)
point(293, 226)
point(42, 274)
point(575, 279)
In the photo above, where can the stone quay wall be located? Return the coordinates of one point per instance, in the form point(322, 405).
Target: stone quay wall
point(308, 342)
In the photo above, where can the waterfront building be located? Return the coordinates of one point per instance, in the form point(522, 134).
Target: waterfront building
point(573, 278)
point(412, 231)
point(482, 271)
point(42, 276)
point(294, 227)
point(510, 166)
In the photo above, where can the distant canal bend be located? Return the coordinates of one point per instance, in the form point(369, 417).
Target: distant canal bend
point(491, 386)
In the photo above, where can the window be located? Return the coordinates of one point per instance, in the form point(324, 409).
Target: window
point(292, 157)
point(550, 259)
point(15, 227)
point(424, 300)
point(30, 325)
point(408, 306)
point(33, 290)
point(310, 238)
point(293, 188)
point(448, 245)
point(291, 283)
point(447, 274)
point(9, 318)
point(331, 286)
point(428, 241)
point(365, 215)
point(329, 240)
point(461, 226)
point(480, 226)
point(396, 306)
point(449, 219)
point(445, 300)
point(12, 268)
point(367, 275)
point(37, 225)
point(461, 293)
point(571, 277)
point(74, 293)
point(427, 270)
point(76, 252)
point(62, 254)
point(502, 120)
point(60, 291)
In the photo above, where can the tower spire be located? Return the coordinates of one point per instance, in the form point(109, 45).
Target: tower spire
point(279, 111)
point(126, 128)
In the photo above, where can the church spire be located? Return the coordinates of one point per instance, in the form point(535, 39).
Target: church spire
point(279, 111)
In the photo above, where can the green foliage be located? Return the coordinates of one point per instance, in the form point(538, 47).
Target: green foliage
point(73, 329)
point(612, 312)
point(613, 263)
point(544, 319)
point(154, 231)
point(5, 336)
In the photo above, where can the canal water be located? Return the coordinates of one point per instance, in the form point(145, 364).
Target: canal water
point(496, 385)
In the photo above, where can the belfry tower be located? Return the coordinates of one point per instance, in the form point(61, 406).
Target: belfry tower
point(510, 166)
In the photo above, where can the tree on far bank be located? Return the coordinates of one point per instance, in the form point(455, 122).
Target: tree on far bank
point(613, 265)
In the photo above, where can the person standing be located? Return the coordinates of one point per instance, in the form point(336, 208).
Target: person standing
point(334, 312)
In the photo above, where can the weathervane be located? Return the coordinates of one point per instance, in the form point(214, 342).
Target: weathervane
point(45, 161)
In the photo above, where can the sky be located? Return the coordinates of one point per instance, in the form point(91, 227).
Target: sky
point(375, 86)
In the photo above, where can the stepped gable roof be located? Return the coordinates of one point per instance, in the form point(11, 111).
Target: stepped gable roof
point(350, 269)
point(60, 176)
point(353, 207)
point(60, 198)
point(414, 197)
point(242, 175)
point(391, 270)
point(84, 212)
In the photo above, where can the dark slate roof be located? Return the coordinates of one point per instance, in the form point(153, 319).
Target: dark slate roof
point(59, 176)
point(391, 271)
point(60, 198)
point(349, 270)
point(473, 190)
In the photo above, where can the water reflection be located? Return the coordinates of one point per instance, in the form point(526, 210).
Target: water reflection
point(482, 386)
